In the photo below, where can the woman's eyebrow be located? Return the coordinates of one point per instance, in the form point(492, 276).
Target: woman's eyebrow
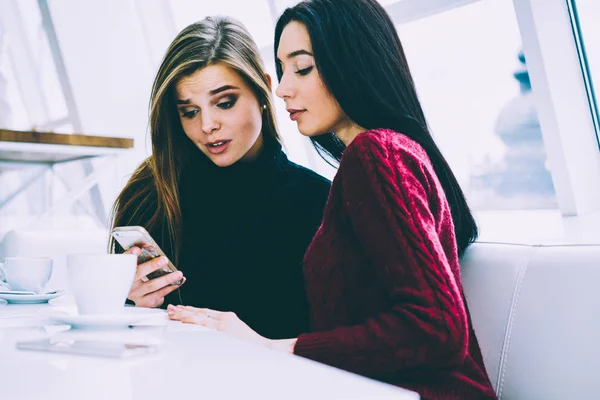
point(212, 93)
point(222, 89)
point(298, 53)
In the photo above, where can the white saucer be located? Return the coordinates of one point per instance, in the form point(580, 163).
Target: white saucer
point(129, 316)
point(30, 298)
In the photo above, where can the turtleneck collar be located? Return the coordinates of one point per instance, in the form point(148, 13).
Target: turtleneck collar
point(259, 171)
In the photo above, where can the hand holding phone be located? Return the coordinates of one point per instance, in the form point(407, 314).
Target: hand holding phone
point(136, 236)
point(152, 293)
point(155, 276)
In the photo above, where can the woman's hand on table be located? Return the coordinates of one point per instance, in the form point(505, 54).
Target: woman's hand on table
point(152, 293)
point(226, 322)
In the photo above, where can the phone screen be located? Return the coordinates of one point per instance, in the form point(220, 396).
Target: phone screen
point(128, 237)
point(89, 348)
point(148, 252)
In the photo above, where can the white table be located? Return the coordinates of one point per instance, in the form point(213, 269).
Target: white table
point(193, 363)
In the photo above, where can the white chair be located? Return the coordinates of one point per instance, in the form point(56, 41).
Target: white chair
point(55, 244)
point(536, 313)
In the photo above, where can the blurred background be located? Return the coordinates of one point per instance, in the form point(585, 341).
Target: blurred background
point(507, 87)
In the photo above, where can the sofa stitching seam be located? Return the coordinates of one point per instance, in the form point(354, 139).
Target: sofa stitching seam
point(511, 319)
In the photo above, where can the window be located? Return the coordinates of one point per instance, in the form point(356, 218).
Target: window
point(29, 81)
point(255, 15)
point(281, 5)
point(472, 79)
point(30, 98)
point(12, 110)
point(583, 15)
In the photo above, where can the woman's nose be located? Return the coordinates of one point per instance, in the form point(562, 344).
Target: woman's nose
point(284, 89)
point(209, 124)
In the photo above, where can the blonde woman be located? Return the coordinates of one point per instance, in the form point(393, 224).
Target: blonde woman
point(218, 194)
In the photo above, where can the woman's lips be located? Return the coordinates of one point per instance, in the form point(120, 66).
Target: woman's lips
point(295, 114)
point(218, 147)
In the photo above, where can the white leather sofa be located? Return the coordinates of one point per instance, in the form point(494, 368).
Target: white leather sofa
point(536, 313)
point(56, 244)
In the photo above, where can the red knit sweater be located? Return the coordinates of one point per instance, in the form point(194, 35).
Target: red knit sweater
point(383, 279)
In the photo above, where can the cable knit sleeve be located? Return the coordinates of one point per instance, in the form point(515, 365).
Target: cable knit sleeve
point(387, 193)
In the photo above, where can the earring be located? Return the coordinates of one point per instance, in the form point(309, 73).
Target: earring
point(264, 106)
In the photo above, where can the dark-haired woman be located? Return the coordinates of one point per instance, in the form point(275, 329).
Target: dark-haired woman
point(382, 273)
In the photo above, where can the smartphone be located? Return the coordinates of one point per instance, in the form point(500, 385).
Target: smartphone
point(130, 236)
point(89, 348)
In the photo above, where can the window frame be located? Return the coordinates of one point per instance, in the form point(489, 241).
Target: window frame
point(585, 67)
point(562, 102)
point(569, 125)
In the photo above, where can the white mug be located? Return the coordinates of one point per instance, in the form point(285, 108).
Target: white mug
point(26, 273)
point(100, 283)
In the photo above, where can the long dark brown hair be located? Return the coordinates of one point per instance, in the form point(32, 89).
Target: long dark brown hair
point(151, 196)
point(360, 58)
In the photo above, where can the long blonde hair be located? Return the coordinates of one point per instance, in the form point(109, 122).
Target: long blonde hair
point(151, 196)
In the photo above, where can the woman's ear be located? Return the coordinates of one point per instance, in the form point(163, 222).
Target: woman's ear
point(269, 82)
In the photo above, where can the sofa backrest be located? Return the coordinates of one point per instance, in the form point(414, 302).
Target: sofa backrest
point(536, 314)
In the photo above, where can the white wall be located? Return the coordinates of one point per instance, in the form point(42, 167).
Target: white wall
point(111, 70)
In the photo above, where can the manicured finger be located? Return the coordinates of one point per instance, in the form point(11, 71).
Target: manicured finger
point(150, 266)
point(176, 311)
point(159, 283)
point(162, 293)
point(214, 314)
point(193, 309)
point(140, 289)
point(134, 250)
point(175, 314)
point(198, 319)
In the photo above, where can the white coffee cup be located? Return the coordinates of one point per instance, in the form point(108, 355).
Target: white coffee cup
point(27, 273)
point(100, 283)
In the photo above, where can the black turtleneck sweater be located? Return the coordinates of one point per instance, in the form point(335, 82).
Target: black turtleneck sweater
point(245, 231)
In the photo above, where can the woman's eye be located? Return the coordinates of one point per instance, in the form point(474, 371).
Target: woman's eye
point(226, 104)
point(304, 71)
point(189, 114)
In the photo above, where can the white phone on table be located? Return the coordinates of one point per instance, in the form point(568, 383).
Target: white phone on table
point(130, 236)
point(89, 348)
